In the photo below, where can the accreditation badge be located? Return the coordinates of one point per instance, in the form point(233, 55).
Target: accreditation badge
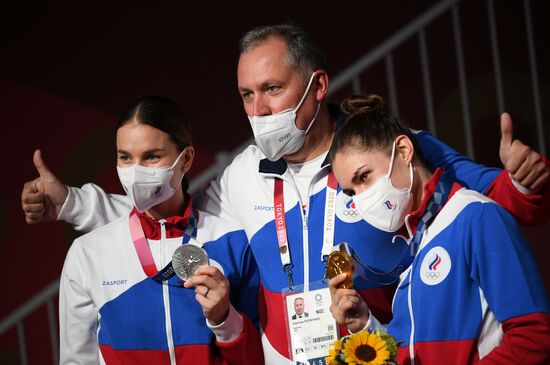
point(312, 329)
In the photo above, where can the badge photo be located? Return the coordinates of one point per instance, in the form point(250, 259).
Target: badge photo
point(312, 329)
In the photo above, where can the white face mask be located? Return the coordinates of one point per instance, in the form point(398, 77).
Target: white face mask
point(148, 186)
point(277, 135)
point(384, 206)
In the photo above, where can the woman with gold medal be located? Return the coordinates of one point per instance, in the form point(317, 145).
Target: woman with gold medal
point(469, 290)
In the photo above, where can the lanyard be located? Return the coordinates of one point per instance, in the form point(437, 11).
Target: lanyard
point(280, 223)
point(437, 200)
point(144, 252)
point(330, 211)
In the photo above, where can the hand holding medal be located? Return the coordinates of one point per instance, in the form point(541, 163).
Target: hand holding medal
point(190, 264)
point(348, 307)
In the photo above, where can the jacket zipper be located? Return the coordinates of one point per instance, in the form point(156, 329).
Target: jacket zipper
point(166, 294)
point(305, 217)
point(305, 237)
point(411, 316)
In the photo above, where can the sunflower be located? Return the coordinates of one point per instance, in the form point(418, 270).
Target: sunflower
point(333, 353)
point(364, 348)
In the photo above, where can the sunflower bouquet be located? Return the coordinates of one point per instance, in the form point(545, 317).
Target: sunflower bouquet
point(364, 348)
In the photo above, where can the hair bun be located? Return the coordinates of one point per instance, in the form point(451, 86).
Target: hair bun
point(360, 104)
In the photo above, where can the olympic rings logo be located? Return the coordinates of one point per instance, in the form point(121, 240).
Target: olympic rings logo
point(433, 275)
point(351, 213)
point(435, 266)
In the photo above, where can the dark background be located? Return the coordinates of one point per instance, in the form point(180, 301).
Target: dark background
point(67, 70)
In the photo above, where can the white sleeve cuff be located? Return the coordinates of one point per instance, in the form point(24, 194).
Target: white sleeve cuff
point(68, 205)
point(371, 325)
point(229, 329)
point(522, 189)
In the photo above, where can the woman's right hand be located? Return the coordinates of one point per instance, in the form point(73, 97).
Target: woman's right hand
point(43, 197)
point(348, 307)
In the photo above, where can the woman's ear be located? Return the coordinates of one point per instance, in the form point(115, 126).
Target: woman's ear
point(188, 156)
point(404, 148)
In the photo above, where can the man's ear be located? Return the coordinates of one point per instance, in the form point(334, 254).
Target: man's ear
point(321, 85)
point(404, 148)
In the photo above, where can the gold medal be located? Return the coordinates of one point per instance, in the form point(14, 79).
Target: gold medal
point(339, 262)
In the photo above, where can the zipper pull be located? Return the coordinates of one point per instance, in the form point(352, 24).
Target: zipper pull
point(162, 228)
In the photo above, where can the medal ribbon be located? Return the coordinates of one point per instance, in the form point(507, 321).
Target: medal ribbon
point(144, 252)
point(437, 200)
point(280, 223)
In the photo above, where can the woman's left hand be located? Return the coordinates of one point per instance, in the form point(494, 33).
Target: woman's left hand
point(212, 293)
point(524, 164)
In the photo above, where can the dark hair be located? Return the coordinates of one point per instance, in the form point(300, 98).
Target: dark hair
point(303, 53)
point(369, 127)
point(163, 114)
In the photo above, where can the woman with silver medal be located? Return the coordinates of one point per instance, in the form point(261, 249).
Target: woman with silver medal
point(457, 298)
point(120, 298)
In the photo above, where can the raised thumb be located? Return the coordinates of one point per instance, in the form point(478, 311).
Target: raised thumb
point(506, 135)
point(41, 167)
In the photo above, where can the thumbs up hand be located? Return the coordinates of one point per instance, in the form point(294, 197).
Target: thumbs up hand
point(523, 163)
point(43, 197)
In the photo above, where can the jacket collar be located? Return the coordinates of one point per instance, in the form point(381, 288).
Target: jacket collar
point(415, 216)
point(175, 225)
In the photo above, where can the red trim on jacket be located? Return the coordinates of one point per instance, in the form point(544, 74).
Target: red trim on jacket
point(239, 351)
point(528, 209)
point(526, 341)
point(429, 189)
point(175, 225)
point(200, 353)
point(440, 352)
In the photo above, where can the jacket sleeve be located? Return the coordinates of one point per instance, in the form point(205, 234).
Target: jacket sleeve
point(527, 208)
point(504, 268)
point(239, 341)
point(495, 183)
point(90, 207)
point(526, 341)
point(77, 315)
point(246, 348)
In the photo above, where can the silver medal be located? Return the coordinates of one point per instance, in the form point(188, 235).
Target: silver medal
point(186, 259)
